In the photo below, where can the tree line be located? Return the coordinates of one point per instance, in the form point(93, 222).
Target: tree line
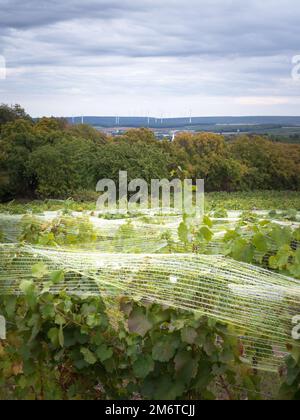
point(49, 158)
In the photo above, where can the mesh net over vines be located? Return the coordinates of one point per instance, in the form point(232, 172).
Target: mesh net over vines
point(259, 304)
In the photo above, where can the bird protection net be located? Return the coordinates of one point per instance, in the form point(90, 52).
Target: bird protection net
point(258, 304)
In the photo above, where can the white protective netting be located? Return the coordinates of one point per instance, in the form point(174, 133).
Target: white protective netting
point(258, 303)
point(132, 258)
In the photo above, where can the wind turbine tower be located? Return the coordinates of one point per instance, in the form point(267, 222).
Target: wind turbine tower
point(161, 119)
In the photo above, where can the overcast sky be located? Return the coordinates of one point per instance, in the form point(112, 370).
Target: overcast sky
point(156, 57)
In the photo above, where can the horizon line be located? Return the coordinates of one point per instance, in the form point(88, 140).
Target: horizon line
point(167, 118)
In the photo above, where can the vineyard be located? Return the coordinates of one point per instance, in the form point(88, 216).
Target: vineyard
point(151, 305)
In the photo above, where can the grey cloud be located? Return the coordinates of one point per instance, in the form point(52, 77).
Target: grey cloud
point(19, 14)
point(170, 47)
point(166, 28)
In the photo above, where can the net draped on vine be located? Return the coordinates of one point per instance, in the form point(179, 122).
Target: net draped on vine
point(257, 303)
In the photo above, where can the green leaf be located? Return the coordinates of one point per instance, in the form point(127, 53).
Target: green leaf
point(207, 221)
point(297, 257)
point(57, 277)
point(294, 269)
point(227, 355)
point(205, 233)
point(283, 256)
point(104, 353)
point(22, 382)
point(53, 336)
point(281, 236)
point(273, 262)
point(186, 366)
point(242, 251)
point(183, 232)
point(39, 270)
point(10, 305)
point(292, 375)
point(164, 350)
point(188, 335)
point(231, 235)
point(60, 320)
point(138, 322)
point(89, 357)
point(163, 388)
point(27, 287)
point(143, 366)
point(204, 376)
point(296, 234)
point(260, 242)
point(61, 338)
point(295, 352)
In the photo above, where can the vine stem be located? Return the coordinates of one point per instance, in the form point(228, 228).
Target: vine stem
point(226, 388)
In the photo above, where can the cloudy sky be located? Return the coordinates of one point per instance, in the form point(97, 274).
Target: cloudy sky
point(150, 57)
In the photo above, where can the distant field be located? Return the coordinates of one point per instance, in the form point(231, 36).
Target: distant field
point(286, 128)
point(274, 132)
point(277, 133)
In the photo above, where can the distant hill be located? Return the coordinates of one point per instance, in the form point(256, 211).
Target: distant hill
point(195, 122)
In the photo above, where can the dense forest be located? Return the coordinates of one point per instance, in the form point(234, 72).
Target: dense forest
point(50, 158)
